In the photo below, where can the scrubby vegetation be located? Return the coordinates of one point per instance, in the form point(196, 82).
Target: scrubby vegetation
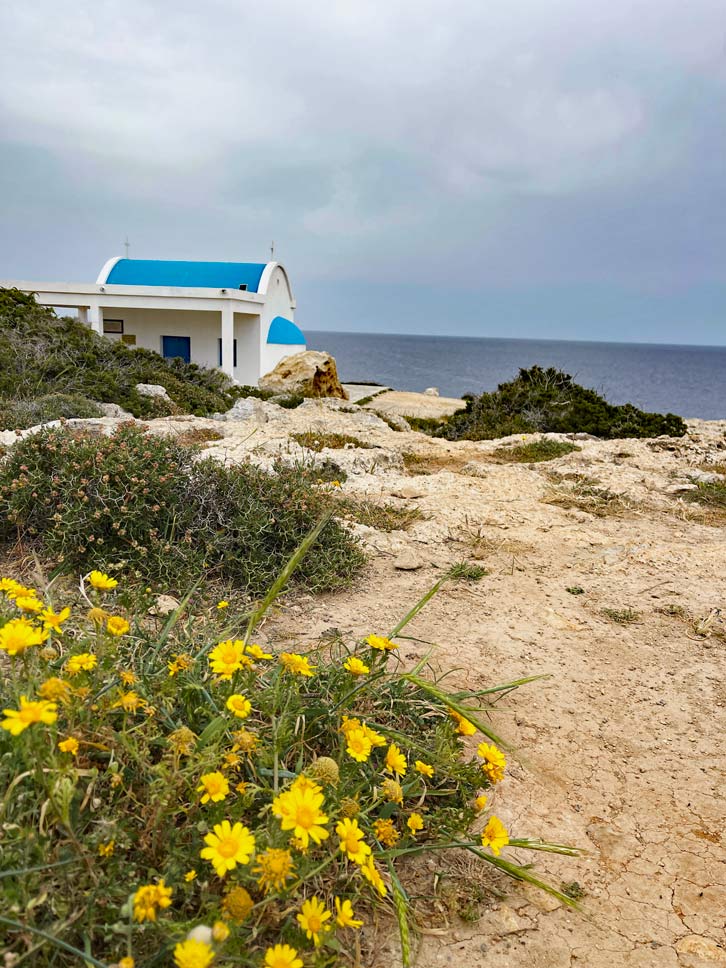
point(548, 401)
point(176, 793)
point(42, 354)
point(535, 452)
point(316, 442)
point(148, 505)
point(19, 414)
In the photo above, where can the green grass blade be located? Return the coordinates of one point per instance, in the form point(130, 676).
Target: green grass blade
point(84, 957)
point(502, 687)
point(416, 609)
point(285, 574)
point(543, 845)
point(400, 902)
point(522, 874)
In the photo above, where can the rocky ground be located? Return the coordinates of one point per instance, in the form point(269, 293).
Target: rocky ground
point(622, 748)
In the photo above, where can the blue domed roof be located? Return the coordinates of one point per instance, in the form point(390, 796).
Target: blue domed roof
point(198, 275)
point(285, 332)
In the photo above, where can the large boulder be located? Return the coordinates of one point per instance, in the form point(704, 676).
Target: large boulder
point(311, 374)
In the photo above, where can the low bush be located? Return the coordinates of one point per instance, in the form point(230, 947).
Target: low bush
point(535, 452)
point(147, 504)
point(20, 414)
point(316, 442)
point(41, 353)
point(178, 793)
point(548, 401)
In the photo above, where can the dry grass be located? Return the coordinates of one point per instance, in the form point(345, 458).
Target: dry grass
point(382, 517)
point(534, 452)
point(199, 435)
point(316, 441)
point(621, 616)
point(582, 495)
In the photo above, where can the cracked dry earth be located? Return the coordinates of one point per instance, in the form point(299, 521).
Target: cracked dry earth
point(624, 744)
point(622, 749)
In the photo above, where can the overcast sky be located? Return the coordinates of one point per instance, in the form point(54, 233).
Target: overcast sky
point(534, 168)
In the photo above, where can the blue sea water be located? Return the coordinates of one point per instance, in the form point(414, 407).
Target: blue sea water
point(687, 380)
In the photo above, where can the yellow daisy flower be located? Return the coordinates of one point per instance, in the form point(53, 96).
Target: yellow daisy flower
point(495, 835)
point(240, 706)
point(356, 667)
point(481, 802)
point(149, 899)
point(54, 620)
point(29, 603)
point(117, 625)
point(386, 832)
point(352, 843)
point(214, 786)
point(423, 768)
point(101, 581)
point(228, 845)
point(274, 866)
point(193, 954)
point(127, 677)
point(463, 726)
point(312, 917)
point(299, 665)
point(83, 662)
point(228, 657)
point(107, 849)
point(395, 761)
point(190, 876)
point(17, 720)
point(128, 701)
point(220, 932)
point(344, 914)
point(69, 745)
point(371, 873)
point(381, 643)
point(179, 663)
point(494, 762)
point(256, 652)
point(299, 810)
point(358, 745)
point(415, 823)
point(19, 634)
point(282, 956)
point(54, 689)
point(222, 604)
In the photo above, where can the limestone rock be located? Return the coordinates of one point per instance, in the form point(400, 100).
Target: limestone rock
point(310, 373)
point(431, 391)
point(152, 390)
point(114, 410)
point(408, 560)
point(164, 605)
point(408, 491)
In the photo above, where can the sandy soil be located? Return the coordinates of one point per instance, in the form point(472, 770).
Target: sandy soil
point(622, 749)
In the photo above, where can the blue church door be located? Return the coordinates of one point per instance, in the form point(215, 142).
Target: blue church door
point(173, 346)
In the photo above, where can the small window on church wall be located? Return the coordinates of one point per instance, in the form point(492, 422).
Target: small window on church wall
point(114, 326)
point(243, 287)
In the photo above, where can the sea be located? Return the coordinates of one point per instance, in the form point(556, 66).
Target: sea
point(687, 380)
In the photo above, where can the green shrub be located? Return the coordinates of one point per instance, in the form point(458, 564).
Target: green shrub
point(41, 353)
point(146, 503)
point(535, 452)
point(316, 442)
point(548, 401)
point(19, 414)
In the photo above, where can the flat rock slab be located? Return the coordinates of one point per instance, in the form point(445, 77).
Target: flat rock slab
point(359, 391)
point(406, 404)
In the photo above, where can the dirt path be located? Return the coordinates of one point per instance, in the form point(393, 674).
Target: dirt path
point(625, 743)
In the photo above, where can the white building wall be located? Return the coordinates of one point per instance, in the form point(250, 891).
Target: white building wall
point(203, 329)
point(278, 302)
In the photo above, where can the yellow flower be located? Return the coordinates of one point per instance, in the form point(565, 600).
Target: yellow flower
point(463, 726)
point(107, 849)
point(494, 762)
point(415, 823)
point(237, 904)
point(69, 745)
point(297, 664)
point(193, 954)
point(358, 745)
point(127, 962)
point(13, 588)
point(232, 760)
point(54, 620)
point(128, 678)
point(481, 802)
point(227, 658)
point(381, 643)
point(344, 914)
point(182, 740)
point(223, 604)
point(312, 917)
point(371, 873)
point(19, 634)
point(257, 653)
point(282, 956)
point(101, 581)
point(128, 701)
point(57, 690)
point(97, 615)
point(423, 768)
point(18, 720)
point(29, 603)
point(190, 876)
point(117, 625)
point(227, 846)
point(356, 667)
point(239, 705)
point(495, 835)
point(299, 810)
point(83, 662)
point(352, 843)
point(149, 899)
point(220, 932)
point(386, 832)
point(241, 787)
point(350, 724)
point(215, 787)
point(179, 663)
point(392, 791)
point(274, 866)
point(395, 761)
